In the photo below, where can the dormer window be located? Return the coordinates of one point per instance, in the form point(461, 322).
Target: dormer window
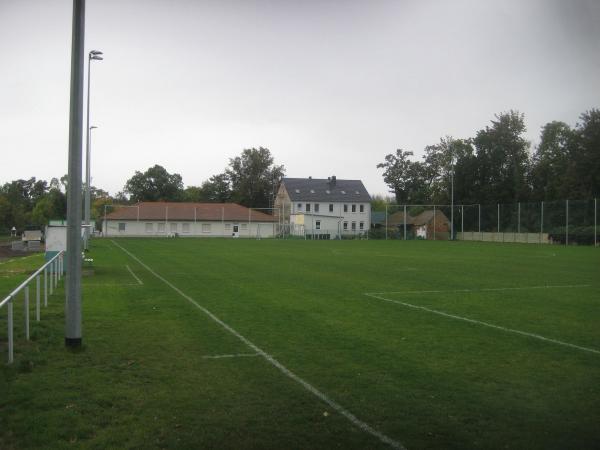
point(343, 192)
point(297, 191)
point(357, 193)
point(328, 191)
point(312, 191)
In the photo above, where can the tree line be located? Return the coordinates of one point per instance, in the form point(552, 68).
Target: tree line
point(250, 179)
point(499, 166)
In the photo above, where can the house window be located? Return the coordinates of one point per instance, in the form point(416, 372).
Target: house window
point(122, 226)
point(149, 228)
point(345, 225)
point(353, 226)
point(318, 224)
point(345, 208)
point(185, 227)
point(173, 227)
point(361, 226)
point(308, 207)
point(206, 227)
point(244, 226)
point(353, 208)
point(299, 206)
point(331, 207)
point(161, 227)
point(362, 208)
point(316, 207)
point(227, 227)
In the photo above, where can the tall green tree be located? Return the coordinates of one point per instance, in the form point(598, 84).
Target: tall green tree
point(155, 184)
point(254, 177)
point(216, 189)
point(407, 179)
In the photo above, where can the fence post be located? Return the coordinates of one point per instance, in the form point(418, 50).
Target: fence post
point(434, 222)
point(26, 303)
point(595, 222)
point(480, 237)
point(542, 222)
point(11, 343)
point(519, 218)
point(404, 222)
point(386, 222)
point(498, 218)
point(37, 298)
point(567, 222)
point(51, 278)
point(45, 286)
point(462, 221)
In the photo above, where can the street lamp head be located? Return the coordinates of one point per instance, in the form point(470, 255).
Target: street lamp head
point(95, 52)
point(93, 127)
point(97, 58)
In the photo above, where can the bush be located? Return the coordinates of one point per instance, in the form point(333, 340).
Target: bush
point(577, 235)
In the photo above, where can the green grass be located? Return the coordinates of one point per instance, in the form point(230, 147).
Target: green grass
point(427, 381)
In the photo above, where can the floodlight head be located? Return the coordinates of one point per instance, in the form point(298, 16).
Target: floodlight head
point(93, 127)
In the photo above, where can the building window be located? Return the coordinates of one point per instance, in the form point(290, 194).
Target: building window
point(149, 228)
point(362, 208)
point(244, 226)
point(173, 227)
point(331, 207)
point(353, 226)
point(318, 224)
point(361, 226)
point(308, 207)
point(122, 226)
point(353, 208)
point(206, 227)
point(316, 207)
point(227, 227)
point(345, 225)
point(161, 227)
point(345, 208)
point(299, 206)
point(185, 227)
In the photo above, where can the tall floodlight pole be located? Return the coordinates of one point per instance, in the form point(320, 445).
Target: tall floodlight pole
point(94, 55)
point(73, 280)
point(452, 205)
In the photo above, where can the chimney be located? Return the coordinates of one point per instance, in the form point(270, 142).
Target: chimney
point(333, 180)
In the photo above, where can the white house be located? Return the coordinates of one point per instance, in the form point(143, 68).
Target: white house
point(189, 219)
point(324, 208)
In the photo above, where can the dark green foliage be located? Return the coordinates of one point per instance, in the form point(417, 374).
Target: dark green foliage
point(155, 184)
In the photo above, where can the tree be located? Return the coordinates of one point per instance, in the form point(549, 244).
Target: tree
point(253, 177)
point(502, 160)
point(216, 189)
point(155, 184)
point(586, 155)
point(405, 178)
point(551, 162)
point(51, 206)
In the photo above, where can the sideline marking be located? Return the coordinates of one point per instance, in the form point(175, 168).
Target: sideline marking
point(449, 291)
point(486, 324)
point(309, 387)
point(237, 355)
point(133, 274)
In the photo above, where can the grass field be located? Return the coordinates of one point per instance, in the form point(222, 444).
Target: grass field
point(314, 344)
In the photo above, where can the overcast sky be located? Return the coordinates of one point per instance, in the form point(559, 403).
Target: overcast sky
point(330, 87)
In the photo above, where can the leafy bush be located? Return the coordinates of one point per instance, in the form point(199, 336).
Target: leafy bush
point(577, 235)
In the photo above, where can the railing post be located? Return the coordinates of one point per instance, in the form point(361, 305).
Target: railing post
point(37, 298)
point(45, 286)
point(26, 303)
point(11, 340)
point(56, 272)
point(51, 278)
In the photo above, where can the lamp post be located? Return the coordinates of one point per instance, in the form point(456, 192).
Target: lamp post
point(94, 55)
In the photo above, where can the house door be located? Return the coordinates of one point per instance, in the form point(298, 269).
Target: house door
point(236, 230)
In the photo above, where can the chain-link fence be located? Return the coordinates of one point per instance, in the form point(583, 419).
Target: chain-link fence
point(558, 222)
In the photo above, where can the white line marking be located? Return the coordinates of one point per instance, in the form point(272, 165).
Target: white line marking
point(309, 387)
point(133, 274)
point(571, 286)
point(237, 355)
point(111, 284)
point(486, 324)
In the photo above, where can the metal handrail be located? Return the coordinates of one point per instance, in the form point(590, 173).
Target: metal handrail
point(56, 265)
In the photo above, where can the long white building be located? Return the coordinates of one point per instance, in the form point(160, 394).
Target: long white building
point(324, 208)
point(188, 219)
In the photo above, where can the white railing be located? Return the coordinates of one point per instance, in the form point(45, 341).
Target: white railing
point(52, 271)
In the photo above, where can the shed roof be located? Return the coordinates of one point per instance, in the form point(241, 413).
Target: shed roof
point(427, 216)
point(189, 212)
point(326, 190)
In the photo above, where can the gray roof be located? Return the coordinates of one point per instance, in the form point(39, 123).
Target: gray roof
point(325, 190)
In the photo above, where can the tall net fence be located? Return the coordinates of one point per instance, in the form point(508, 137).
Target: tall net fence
point(558, 222)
